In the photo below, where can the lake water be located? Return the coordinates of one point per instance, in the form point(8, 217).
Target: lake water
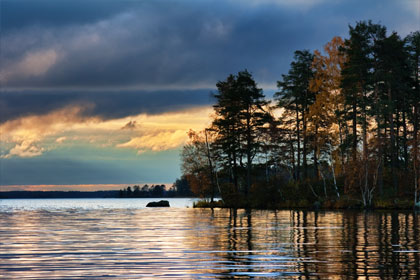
point(121, 239)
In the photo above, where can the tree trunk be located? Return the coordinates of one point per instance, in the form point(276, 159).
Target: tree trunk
point(333, 173)
point(305, 144)
point(298, 144)
point(405, 148)
point(292, 153)
point(212, 180)
point(365, 147)
point(316, 153)
point(416, 127)
point(415, 152)
point(380, 178)
point(234, 173)
point(392, 135)
point(354, 120)
point(397, 126)
point(340, 132)
point(248, 154)
point(234, 165)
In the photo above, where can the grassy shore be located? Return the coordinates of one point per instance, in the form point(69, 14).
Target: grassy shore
point(339, 204)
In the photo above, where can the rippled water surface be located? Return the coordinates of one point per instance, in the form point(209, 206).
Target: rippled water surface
point(121, 239)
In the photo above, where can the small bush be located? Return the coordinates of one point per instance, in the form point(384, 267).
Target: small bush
point(208, 204)
point(383, 204)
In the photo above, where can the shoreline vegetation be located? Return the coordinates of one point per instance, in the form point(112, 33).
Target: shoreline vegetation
point(342, 204)
point(342, 131)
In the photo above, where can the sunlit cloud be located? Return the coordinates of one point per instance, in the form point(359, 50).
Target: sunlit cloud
point(28, 132)
point(33, 135)
point(167, 131)
point(60, 139)
point(158, 141)
point(25, 148)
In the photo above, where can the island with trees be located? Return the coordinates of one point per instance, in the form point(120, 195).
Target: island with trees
point(179, 189)
point(341, 132)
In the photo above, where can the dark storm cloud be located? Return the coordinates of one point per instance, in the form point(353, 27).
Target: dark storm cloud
point(172, 43)
point(106, 104)
point(17, 14)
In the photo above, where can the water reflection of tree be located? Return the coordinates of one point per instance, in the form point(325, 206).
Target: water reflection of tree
point(301, 241)
point(416, 242)
point(232, 237)
point(317, 245)
point(249, 239)
point(365, 245)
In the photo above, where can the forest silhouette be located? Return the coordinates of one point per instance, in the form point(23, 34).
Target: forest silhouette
point(342, 131)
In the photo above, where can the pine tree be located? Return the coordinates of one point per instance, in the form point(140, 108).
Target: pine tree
point(295, 97)
point(240, 115)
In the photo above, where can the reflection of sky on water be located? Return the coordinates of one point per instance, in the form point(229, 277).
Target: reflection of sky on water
point(199, 243)
point(71, 205)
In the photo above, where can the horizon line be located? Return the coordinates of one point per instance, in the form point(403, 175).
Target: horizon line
point(74, 187)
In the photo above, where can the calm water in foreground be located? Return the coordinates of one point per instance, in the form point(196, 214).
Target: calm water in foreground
point(121, 239)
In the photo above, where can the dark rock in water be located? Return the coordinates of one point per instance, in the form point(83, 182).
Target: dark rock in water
point(317, 205)
point(162, 203)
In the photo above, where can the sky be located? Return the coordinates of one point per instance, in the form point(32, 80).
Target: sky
point(98, 94)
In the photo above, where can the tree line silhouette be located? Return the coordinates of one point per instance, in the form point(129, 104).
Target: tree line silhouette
point(343, 129)
point(179, 189)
